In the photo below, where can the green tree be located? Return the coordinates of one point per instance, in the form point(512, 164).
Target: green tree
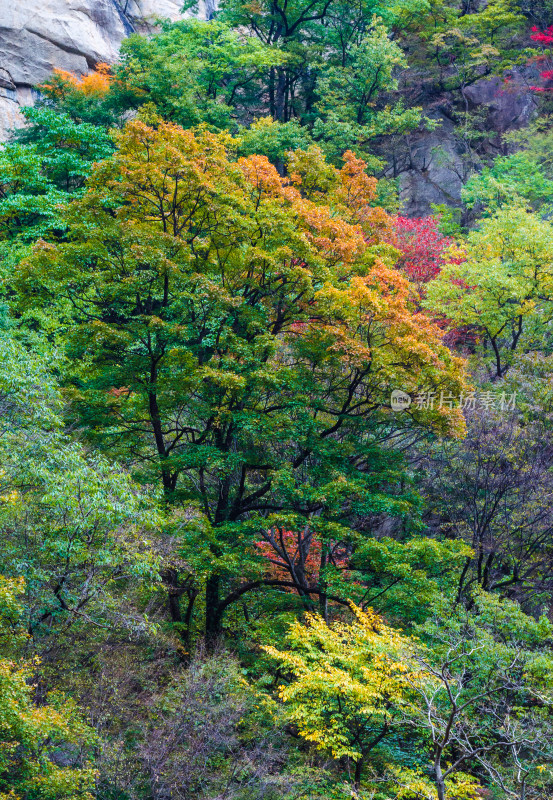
point(46, 164)
point(347, 113)
point(516, 177)
point(73, 525)
point(193, 72)
point(235, 336)
point(340, 59)
point(31, 733)
point(483, 675)
point(500, 284)
point(460, 42)
point(276, 140)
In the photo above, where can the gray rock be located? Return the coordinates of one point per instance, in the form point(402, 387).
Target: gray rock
point(37, 36)
point(10, 115)
point(438, 164)
point(509, 105)
point(436, 170)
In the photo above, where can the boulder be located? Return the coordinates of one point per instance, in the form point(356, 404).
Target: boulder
point(510, 105)
point(439, 161)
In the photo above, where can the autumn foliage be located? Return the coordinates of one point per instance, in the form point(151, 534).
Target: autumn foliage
point(423, 247)
point(542, 37)
point(276, 485)
point(214, 299)
point(545, 38)
point(298, 557)
point(94, 84)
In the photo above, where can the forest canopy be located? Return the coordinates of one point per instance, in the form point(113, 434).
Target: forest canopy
point(276, 474)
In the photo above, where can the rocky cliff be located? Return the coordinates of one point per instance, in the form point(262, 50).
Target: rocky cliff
point(38, 35)
point(75, 35)
point(436, 163)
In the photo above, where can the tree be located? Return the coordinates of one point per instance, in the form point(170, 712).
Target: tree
point(340, 59)
point(519, 176)
point(423, 246)
point(399, 579)
point(493, 491)
point(276, 140)
point(348, 91)
point(85, 99)
point(545, 38)
point(193, 72)
point(244, 325)
point(47, 163)
point(468, 695)
point(403, 580)
point(31, 733)
point(450, 46)
point(347, 685)
point(462, 42)
point(207, 735)
point(480, 680)
point(73, 525)
point(502, 287)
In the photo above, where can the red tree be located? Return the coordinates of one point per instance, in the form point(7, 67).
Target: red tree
point(423, 247)
point(295, 561)
point(544, 38)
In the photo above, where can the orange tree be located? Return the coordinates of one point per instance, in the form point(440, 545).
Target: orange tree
point(235, 335)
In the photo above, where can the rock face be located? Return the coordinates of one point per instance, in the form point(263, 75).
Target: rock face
point(439, 161)
point(38, 35)
point(435, 172)
point(74, 35)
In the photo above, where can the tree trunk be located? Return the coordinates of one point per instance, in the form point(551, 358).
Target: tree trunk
point(175, 590)
point(157, 427)
point(171, 577)
point(212, 615)
point(272, 92)
point(440, 782)
point(192, 594)
point(358, 771)
point(280, 100)
point(323, 600)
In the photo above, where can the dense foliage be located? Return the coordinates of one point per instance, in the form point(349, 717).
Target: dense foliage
point(276, 475)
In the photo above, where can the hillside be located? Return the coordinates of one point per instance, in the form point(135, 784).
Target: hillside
point(276, 394)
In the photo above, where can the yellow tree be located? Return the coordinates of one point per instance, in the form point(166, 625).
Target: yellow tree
point(472, 688)
point(349, 684)
point(31, 733)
